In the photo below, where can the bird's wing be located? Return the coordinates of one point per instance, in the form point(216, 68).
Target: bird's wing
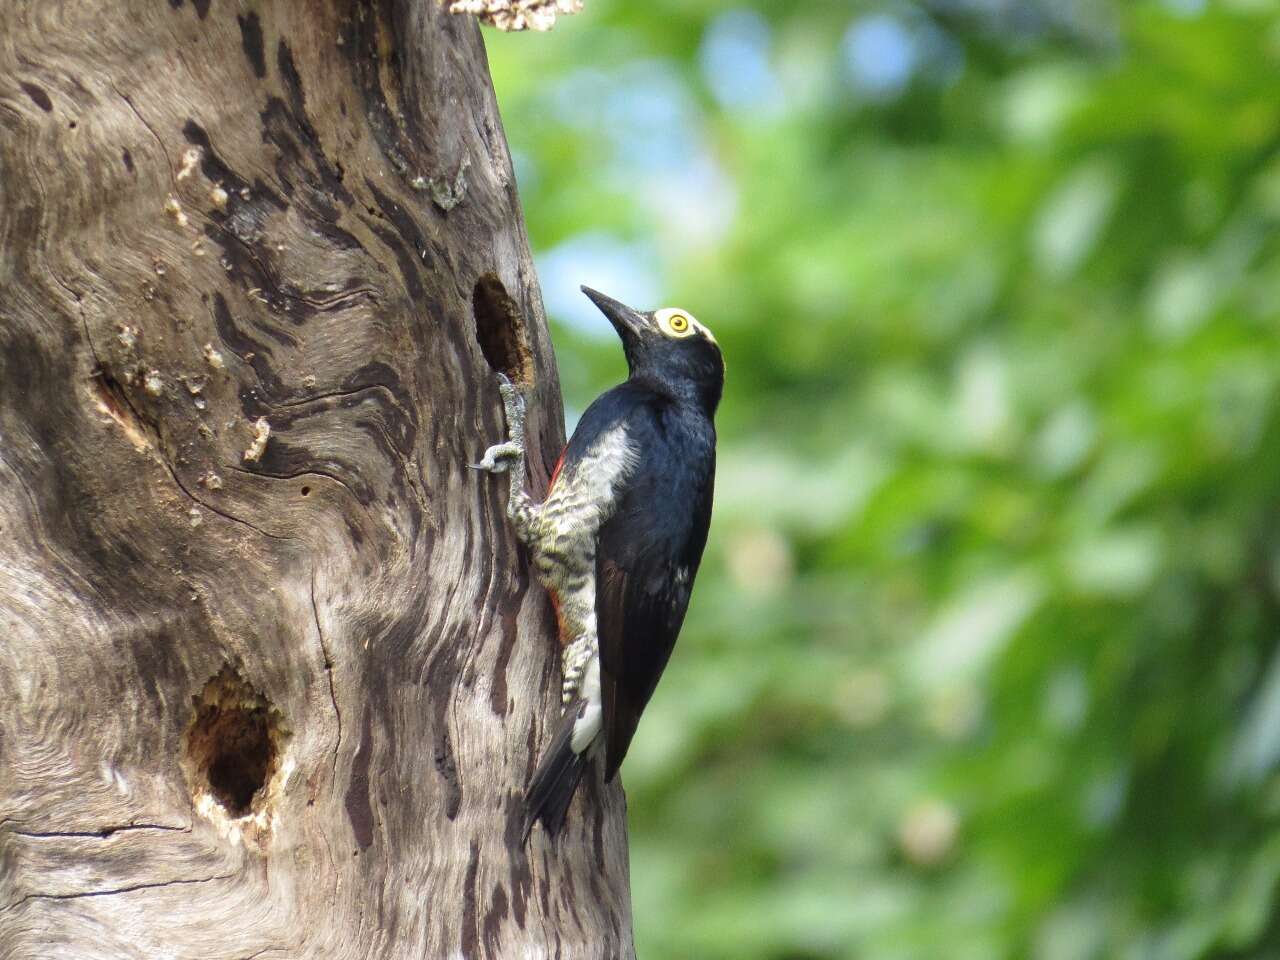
point(645, 566)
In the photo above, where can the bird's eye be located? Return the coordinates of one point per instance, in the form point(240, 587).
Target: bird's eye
point(675, 323)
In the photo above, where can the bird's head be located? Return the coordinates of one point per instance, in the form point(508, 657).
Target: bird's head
point(669, 348)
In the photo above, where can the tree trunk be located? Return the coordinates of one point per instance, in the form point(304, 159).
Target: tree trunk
point(273, 673)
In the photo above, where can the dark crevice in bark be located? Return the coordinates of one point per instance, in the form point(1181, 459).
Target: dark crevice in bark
point(470, 919)
point(365, 39)
point(38, 96)
point(517, 856)
point(150, 129)
point(328, 669)
point(114, 891)
point(493, 917)
point(251, 40)
point(228, 516)
point(509, 612)
point(363, 499)
point(353, 392)
point(356, 801)
point(105, 833)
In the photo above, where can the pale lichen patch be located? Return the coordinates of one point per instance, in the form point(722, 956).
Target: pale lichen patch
point(173, 207)
point(190, 160)
point(261, 432)
point(445, 193)
point(213, 357)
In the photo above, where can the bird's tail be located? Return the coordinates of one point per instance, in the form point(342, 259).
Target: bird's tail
point(556, 778)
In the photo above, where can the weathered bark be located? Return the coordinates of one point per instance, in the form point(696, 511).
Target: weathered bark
point(272, 670)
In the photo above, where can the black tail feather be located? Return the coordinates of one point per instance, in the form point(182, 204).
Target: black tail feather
point(555, 780)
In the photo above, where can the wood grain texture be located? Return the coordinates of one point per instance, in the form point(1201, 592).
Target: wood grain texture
point(273, 674)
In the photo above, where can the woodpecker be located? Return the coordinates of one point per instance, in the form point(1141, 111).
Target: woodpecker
point(618, 539)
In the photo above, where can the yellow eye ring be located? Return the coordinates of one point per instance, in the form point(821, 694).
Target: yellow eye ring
point(677, 323)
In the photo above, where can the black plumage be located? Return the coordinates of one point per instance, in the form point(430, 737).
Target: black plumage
point(554, 782)
point(648, 549)
point(647, 556)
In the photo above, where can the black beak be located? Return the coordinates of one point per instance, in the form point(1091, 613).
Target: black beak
point(629, 323)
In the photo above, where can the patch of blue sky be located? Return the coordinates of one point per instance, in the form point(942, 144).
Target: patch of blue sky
point(884, 52)
point(880, 55)
point(653, 149)
point(651, 119)
point(734, 58)
point(625, 271)
point(641, 111)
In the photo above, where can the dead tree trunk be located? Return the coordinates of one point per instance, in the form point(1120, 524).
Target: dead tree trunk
point(272, 670)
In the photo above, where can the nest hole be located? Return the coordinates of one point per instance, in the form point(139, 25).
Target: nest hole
point(501, 331)
point(232, 745)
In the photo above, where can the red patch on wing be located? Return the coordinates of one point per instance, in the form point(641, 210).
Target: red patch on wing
point(555, 474)
point(555, 605)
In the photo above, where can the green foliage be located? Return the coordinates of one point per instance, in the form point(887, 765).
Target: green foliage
point(982, 660)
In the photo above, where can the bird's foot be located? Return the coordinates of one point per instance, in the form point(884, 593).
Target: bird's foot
point(575, 658)
point(500, 457)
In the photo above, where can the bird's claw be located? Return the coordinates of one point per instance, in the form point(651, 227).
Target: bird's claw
point(497, 459)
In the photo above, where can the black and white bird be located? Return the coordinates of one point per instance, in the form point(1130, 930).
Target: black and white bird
point(619, 537)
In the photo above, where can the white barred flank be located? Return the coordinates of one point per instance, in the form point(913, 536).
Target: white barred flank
point(561, 534)
point(585, 494)
point(564, 543)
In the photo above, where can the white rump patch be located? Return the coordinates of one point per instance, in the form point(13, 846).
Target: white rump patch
point(587, 727)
